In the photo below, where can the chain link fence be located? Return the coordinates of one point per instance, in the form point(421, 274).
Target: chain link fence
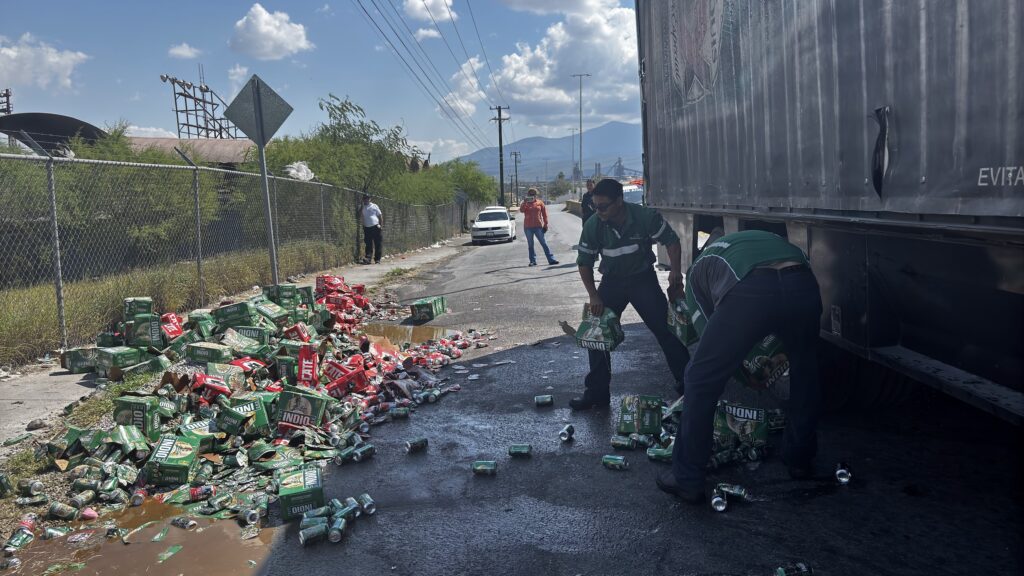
point(185, 236)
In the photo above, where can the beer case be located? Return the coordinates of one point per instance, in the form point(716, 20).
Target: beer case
point(301, 407)
point(79, 360)
point(234, 376)
point(764, 365)
point(139, 411)
point(258, 333)
point(603, 334)
point(679, 322)
point(239, 344)
point(174, 460)
point(237, 314)
point(640, 415)
point(146, 331)
point(300, 491)
point(116, 357)
point(137, 305)
point(277, 315)
point(200, 431)
point(738, 424)
point(205, 352)
point(428, 308)
point(252, 408)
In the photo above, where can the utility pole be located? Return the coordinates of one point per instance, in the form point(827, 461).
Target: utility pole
point(501, 152)
point(572, 152)
point(581, 76)
point(516, 155)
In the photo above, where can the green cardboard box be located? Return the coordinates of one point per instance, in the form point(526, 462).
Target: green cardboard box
point(277, 315)
point(146, 330)
point(640, 414)
point(108, 340)
point(239, 344)
point(679, 322)
point(202, 352)
point(80, 360)
point(764, 365)
point(176, 349)
point(604, 333)
point(251, 410)
point(257, 333)
point(139, 411)
point(301, 406)
point(743, 424)
point(428, 308)
point(306, 296)
point(286, 366)
point(174, 460)
point(300, 491)
point(200, 430)
point(137, 305)
point(234, 376)
point(292, 347)
point(116, 357)
point(280, 292)
point(238, 314)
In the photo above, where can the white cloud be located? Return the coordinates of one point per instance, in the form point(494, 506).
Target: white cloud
point(184, 51)
point(561, 6)
point(378, 48)
point(466, 92)
point(269, 36)
point(424, 33)
point(594, 36)
point(238, 75)
point(149, 132)
point(30, 61)
point(136, 97)
point(442, 149)
point(439, 9)
point(325, 9)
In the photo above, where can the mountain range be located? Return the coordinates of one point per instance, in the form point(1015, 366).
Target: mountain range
point(543, 158)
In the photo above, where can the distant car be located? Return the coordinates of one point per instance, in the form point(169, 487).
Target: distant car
point(493, 224)
point(633, 193)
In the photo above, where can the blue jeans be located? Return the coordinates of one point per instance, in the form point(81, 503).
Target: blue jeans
point(786, 303)
point(539, 234)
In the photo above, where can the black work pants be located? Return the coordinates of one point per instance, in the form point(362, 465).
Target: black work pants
point(373, 241)
point(644, 293)
point(786, 303)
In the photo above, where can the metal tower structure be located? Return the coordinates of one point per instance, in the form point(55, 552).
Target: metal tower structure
point(199, 110)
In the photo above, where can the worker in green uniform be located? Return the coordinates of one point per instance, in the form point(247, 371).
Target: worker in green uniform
point(743, 287)
point(623, 234)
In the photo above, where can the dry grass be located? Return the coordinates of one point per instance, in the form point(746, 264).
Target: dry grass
point(28, 316)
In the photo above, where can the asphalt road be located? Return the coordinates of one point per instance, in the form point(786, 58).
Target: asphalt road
point(937, 489)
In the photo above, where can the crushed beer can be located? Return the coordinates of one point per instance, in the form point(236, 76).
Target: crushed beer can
point(336, 529)
point(660, 454)
point(485, 468)
point(5, 485)
point(363, 452)
point(61, 511)
point(843, 475)
point(30, 487)
point(367, 504)
point(620, 442)
point(184, 522)
point(795, 569)
point(315, 521)
point(567, 433)
point(416, 445)
point(732, 490)
point(312, 534)
point(613, 462)
point(718, 501)
point(544, 400)
point(520, 450)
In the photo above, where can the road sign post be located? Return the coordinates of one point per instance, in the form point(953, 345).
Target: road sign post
point(259, 112)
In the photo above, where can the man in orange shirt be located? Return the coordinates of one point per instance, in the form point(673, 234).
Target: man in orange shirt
point(535, 223)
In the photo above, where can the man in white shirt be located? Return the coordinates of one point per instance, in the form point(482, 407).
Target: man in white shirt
point(373, 222)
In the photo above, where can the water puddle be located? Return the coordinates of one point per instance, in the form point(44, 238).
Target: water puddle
point(214, 547)
point(398, 333)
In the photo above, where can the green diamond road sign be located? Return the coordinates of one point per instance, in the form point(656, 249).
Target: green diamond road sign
point(258, 111)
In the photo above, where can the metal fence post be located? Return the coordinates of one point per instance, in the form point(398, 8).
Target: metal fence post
point(323, 226)
point(199, 227)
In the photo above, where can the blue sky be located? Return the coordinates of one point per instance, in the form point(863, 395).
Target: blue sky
point(102, 61)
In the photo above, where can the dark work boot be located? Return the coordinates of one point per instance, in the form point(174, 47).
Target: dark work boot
point(588, 401)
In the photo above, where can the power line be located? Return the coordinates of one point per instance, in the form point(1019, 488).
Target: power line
point(479, 84)
point(490, 71)
point(479, 133)
point(484, 52)
point(383, 35)
point(450, 51)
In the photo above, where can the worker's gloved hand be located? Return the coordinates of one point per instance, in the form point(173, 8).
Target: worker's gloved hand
point(596, 306)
